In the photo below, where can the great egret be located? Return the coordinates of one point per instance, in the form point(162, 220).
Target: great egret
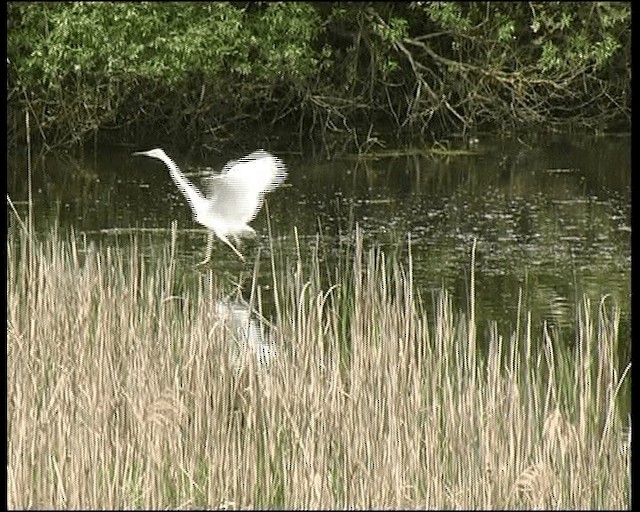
point(234, 196)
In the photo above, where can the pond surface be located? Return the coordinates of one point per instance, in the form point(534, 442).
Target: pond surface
point(551, 219)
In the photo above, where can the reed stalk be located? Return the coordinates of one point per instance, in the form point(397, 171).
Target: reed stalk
point(121, 394)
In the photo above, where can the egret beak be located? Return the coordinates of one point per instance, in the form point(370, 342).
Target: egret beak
point(139, 153)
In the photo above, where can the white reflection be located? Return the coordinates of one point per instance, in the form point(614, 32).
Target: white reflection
point(246, 333)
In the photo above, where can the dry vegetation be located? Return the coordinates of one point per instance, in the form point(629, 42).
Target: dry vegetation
point(121, 395)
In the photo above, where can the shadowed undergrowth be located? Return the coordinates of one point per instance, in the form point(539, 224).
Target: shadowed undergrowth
point(121, 393)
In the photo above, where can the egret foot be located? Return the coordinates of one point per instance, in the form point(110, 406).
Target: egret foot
point(210, 238)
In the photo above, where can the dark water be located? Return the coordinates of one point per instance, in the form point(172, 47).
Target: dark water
point(551, 219)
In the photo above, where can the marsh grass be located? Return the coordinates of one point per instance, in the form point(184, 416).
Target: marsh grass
point(121, 394)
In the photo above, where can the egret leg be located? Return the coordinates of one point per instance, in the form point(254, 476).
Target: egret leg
point(226, 241)
point(210, 238)
point(207, 254)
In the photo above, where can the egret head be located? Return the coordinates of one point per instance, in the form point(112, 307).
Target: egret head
point(153, 153)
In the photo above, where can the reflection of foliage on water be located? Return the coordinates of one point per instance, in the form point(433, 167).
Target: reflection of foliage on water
point(551, 218)
point(553, 250)
point(552, 221)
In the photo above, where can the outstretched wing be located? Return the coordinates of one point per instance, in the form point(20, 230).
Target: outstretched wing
point(236, 195)
point(261, 171)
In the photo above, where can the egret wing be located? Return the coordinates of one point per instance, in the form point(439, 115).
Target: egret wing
point(227, 167)
point(236, 195)
point(259, 171)
point(232, 202)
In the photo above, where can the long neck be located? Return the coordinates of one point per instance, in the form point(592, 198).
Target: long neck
point(190, 192)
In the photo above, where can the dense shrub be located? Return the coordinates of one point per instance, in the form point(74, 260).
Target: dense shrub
point(203, 73)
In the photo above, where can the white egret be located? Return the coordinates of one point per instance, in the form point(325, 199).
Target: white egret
point(234, 197)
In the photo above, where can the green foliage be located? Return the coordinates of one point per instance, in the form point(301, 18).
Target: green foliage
point(589, 38)
point(448, 15)
point(109, 52)
point(212, 69)
point(531, 63)
point(395, 30)
point(146, 40)
point(281, 39)
point(583, 34)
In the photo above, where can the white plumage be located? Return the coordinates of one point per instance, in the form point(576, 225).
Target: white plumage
point(233, 198)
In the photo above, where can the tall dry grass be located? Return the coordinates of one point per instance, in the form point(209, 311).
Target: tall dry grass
point(121, 394)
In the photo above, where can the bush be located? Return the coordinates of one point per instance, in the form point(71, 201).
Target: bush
point(204, 73)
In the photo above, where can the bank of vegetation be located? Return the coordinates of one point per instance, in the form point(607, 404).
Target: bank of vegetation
point(343, 76)
point(121, 394)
